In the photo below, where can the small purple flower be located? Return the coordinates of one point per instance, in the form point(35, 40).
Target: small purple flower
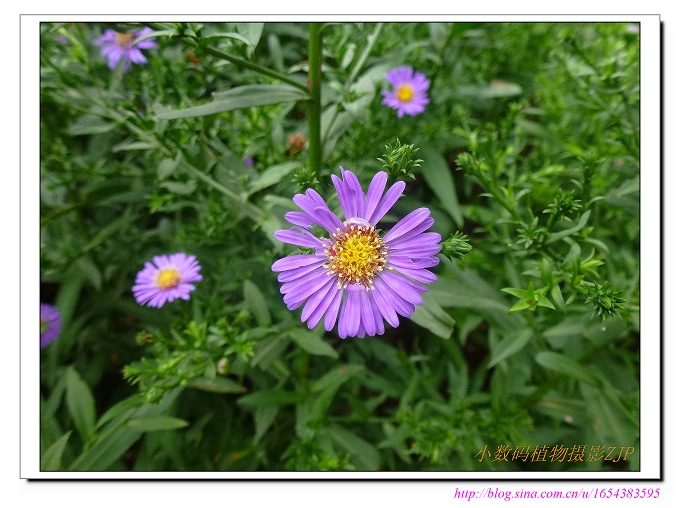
point(410, 91)
point(249, 161)
point(167, 278)
point(50, 324)
point(356, 276)
point(117, 46)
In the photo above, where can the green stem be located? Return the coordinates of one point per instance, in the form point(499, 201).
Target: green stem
point(355, 71)
point(255, 67)
point(315, 149)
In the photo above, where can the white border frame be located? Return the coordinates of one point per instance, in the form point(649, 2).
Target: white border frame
point(650, 253)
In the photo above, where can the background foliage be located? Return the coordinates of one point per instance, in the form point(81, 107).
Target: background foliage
point(529, 152)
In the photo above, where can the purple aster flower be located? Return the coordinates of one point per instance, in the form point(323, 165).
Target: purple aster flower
point(50, 324)
point(117, 46)
point(410, 91)
point(356, 276)
point(167, 278)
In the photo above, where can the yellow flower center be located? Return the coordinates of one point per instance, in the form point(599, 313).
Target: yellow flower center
point(167, 278)
point(405, 93)
point(357, 255)
point(124, 40)
point(44, 326)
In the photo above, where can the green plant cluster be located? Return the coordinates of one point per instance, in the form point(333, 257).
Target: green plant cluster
point(527, 156)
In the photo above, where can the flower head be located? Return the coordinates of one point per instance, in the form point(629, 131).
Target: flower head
point(356, 276)
point(167, 278)
point(409, 95)
point(117, 46)
point(50, 324)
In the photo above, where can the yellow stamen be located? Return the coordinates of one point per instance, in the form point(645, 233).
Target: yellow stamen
point(357, 255)
point(124, 40)
point(167, 278)
point(405, 93)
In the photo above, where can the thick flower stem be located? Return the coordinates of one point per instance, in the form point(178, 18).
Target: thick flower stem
point(315, 149)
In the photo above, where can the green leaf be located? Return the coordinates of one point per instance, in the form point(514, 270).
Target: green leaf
point(511, 344)
point(217, 385)
point(256, 303)
point(120, 408)
point(271, 176)
point(80, 404)
point(51, 459)
point(568, 232)
point(312, 343)
point(565, 365)
point(556, 294)
point(264, 417)
point(152, 423)
point(431, 316)
point(364, 454)
point(168, 166)
point(336, 377)
point(181, 188)
point(438, 177)
point(252, 32)
point(90, 124)
point(117, 437)
point(271, 397)
point(246, 96)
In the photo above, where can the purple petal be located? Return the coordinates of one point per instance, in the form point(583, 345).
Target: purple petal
point(387, 201)
point(399, 286)
point(367, 317)
point(350, 315)
point(383, 300)
point(302, 239)
point(408, 223)
point(295, 261)
point(316, 299)
point(375, 192)
point(295, 273)
point(333, 293)
point(332, 312)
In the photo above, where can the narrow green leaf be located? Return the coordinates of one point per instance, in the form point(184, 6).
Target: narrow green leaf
point(264, 417)
point(256, 303)
point(108, 448)
point(312, 343)
point(252, 32)
point(90, 124)
point(556, 294)
point(168, 166)
point(438, 177)
point(568, 232)
point(272, 397)
point(337, 377)
point(51, 459)
point(271, 176)
point(565, 365)
point(120, 408)
point(431, 316)
point(246, 96)
point(117, 437)
point(511, 344)
point(364, 454)
point(80, 404)
point(152, 423)
point(217, 385)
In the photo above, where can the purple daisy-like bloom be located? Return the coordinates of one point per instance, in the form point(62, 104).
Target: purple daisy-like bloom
point(409, 95)
point(50, 324)
point(167, 278)
point(118, 46)
point(356, 276)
